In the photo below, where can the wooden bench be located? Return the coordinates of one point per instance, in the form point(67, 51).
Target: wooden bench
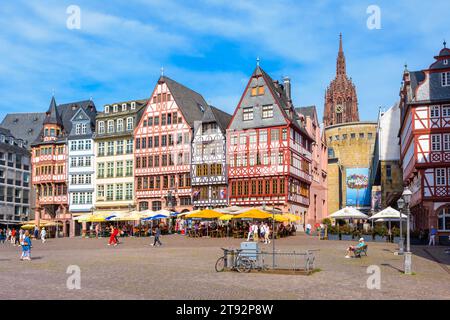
point(359, 251)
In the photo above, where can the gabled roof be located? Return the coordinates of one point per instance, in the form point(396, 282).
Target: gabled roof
point(24, 126)
point(309, 111)
point(213, 114)
point(66, 113)
point(192, 105)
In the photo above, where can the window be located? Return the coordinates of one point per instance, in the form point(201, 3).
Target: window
point(361, 135)
point(133, 105)
point(353, 135)
point(129, 168)
point(119, 125)
point(129, 124)
point(263, 136)
point(84, 128)
point(441, 177)
point(284, 134)
point(110, 148)
point(101, 149)
point(446, 111)
point(389, 172)
point(445, 79)
point(101, 170)
point(106, 109)
point(110, 170)
point(119, 147)
point(119, 169)
point(109, 192)
point(110, 126)
point(248, 113)
point(129, 146)
point(78, 129)
point(444, 219)
point(446, 141)
point(267, 111)
point(119, 192)
point(101, 127)
point(435, 142)
point(434, 111)
point(257, 91)
point(115, 108)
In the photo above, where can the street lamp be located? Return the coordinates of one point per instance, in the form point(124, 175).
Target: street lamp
point(407, 197)
point(401, 205)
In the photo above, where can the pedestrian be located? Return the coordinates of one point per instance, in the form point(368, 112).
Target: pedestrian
point(250, 232)
point(26, 247)
point(36, 232)
point(255, 232)
point(266, 233)
point(113, 236)
point(21, 235)
point(157, 236)
point(2, 235)
point(262, 231)
point(433, 233)
point(8, 235)
point(13, 236)
point(97, 230)
point(308, 229)
point(43, 234)
point(17, 238)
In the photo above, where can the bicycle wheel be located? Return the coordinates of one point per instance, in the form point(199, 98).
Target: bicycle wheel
point(220, 264)
point(244, 264)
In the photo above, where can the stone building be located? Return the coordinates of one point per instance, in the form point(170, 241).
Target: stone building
point(341, 102)
point(114, 160)
point(350, 151)
point(425, 143)
point(14, 179)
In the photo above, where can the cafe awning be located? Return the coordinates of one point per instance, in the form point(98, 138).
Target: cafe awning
point(253, 214)
point(348, 213)
point(205, 214)
point(388, 214)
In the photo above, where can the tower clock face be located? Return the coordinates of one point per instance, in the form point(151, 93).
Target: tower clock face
point(339, 108)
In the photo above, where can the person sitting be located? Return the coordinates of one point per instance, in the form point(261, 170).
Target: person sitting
point(350, 249)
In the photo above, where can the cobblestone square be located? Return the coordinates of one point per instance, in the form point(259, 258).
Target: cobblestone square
point(183, 268)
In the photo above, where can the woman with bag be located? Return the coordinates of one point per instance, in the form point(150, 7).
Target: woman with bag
point(26, 247)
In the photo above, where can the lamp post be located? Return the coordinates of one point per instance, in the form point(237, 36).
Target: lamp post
point(401, 205)
point(408, 263)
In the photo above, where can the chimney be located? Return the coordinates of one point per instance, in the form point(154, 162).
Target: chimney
point(287, 88)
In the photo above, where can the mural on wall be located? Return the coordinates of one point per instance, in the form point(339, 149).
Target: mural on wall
point(358, 193)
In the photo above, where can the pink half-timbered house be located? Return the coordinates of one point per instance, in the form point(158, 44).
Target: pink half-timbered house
point(425, 143)
point(163, 147)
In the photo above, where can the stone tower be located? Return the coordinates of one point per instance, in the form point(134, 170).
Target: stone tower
point(341, 102)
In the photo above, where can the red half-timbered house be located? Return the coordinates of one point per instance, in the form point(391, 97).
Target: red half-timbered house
point(425, 143)
point(268, 148)
point(163, 147)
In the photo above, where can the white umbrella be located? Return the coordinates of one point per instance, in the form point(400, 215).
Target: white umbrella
point(348, 213)
point(388, 214)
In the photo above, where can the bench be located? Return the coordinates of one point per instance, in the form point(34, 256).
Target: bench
point(359, 251)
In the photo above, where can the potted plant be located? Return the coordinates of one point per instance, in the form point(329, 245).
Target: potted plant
point(333, 233)
point(396, 234)
point(346, 233)
point(380, 233)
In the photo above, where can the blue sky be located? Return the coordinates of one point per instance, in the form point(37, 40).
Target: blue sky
point(210, 46)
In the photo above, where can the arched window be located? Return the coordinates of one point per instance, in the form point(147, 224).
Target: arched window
point(444, 219)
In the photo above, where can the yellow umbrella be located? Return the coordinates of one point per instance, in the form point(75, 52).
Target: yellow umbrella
point(226, 217)
point(253, 214)
point(292, 217)
point(205, 214)
point(184, 214)
point(27, 226)
point(100, 217)
point(281, 218)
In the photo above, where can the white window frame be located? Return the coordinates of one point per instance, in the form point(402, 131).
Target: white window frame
point(78, 128)
point(267, 111)
point(119, 125)
point(248, 113)
point(107, 109)
point(130, 124)
point(133, 105)
point(445, 79)
point(115, 108)
point(84, 128)
point(446, 142)
point(441, 177)
point(435, 111)
point(101, 127)
point(446, 111)
point(444, 214)
point(124, 107)
point(110, 128)
point(436, 142)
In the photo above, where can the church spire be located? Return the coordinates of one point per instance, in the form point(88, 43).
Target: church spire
point(340, 66)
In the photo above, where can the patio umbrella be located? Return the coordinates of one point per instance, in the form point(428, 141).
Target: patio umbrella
point(226, 217)
point(205, 214)
point(253, 214)
point(155, 217)
point(348, 213)
point(292, 217)
point(388, 214)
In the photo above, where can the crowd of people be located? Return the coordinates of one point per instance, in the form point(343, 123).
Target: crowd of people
point(22, 238)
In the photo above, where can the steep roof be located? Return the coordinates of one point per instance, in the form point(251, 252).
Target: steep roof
point(24, 126)
point(309, 111)
point(52, 116)
point(222, 118)
point(66, 112)
point(192, 105)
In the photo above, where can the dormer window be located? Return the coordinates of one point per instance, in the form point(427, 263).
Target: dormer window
point(2, 138)
point(84, 129)
point(115, 108)
point(445, 62)
point(106, 109)
point(78, 129)
point(133, 105)
point(445, 79)
point(124, 107)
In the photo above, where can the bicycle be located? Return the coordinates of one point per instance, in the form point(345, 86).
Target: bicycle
point(240, 263)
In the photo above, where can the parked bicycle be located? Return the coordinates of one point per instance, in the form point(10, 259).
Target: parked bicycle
point(239, 262)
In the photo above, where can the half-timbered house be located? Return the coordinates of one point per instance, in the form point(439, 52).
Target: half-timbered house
point(425, 143)
point(268, 148)
point(163, 147)
point(208, 165)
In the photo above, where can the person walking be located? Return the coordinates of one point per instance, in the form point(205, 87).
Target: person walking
point(26, 247)
point(308, 229)
point(13, 236)
point(97, 230)
point(2, 236)
point(157, 236)
point(255, 232)
point(433, 233)
point(17, 238)
point(250, 231)
point(43, 234)
point(36, 232)
point(113, 236)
